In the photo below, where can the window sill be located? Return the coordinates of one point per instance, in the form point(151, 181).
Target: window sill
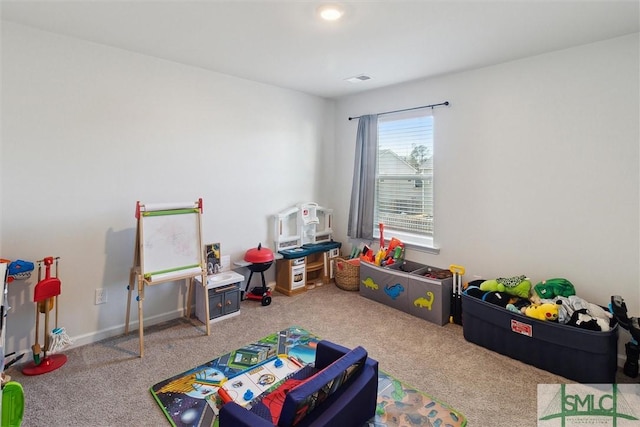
point(412, 241)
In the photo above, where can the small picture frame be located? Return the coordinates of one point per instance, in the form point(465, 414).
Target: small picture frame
point(212, 257)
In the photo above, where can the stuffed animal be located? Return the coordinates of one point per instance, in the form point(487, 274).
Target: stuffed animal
point(474, 291)
point(491, 286)
point(499, 298)
point(569, 305)
point(583, 320)
point(512, 307)
point(542, 311)
point(603, 317)
point(519, 286)
point(551, 288)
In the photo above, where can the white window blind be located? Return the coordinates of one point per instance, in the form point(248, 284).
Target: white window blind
point(404, 176)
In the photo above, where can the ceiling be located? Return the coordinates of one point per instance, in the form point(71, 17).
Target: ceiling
point(284, 43)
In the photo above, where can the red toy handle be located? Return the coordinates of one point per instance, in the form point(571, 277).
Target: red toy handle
point(224, 395)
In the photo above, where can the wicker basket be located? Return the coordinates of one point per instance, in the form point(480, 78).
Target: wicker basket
point(347, 274)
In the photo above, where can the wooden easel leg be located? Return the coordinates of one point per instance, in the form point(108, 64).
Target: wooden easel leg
point(134, 273)
point(141, 314)
point(132, 282)
point(189, 296)
point(206, 304)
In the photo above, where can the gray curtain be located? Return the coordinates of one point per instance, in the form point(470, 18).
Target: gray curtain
point(364, 173)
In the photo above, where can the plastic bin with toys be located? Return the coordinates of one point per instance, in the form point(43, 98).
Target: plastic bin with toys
point(560, 333)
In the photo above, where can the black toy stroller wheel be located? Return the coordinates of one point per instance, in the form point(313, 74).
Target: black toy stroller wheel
point(266, 300)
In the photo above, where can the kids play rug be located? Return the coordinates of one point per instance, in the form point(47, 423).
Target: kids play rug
point(191, 398)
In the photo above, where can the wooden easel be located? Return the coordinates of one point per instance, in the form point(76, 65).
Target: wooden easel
point(167, 251)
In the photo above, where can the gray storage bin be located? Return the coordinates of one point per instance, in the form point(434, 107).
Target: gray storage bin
point(407, 266)
point(404, 287)
point(384, 285)
point(430, 297)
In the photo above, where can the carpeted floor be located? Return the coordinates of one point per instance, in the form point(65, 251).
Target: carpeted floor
point(189, 399)
point(107, 384)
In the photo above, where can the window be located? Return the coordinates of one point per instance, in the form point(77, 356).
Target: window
point(404, 177)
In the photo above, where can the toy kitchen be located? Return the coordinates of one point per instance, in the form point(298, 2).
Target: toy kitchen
point(305, 247)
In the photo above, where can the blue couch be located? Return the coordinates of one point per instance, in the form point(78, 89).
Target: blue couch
point(339, 390)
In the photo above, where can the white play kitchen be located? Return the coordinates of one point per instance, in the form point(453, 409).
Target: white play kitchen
point(306, 250)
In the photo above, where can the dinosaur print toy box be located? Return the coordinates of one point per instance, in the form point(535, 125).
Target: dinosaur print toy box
point(414, 288)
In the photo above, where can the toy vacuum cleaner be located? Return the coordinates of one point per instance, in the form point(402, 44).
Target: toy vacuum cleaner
point(619, 310)
point(45, 295)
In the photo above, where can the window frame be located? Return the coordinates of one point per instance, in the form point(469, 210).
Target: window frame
point(419, 241)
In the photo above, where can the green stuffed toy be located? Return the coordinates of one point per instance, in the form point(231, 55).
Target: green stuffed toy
point(551, 288)
point(519, 286)
point(546, 311)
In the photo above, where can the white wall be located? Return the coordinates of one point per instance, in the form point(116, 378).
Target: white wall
point(536, 168)
point(89, 130)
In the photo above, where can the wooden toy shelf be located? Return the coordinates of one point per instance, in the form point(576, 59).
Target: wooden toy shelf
point(316, 270)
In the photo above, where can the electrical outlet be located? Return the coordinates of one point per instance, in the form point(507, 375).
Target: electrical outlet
point(101, 296)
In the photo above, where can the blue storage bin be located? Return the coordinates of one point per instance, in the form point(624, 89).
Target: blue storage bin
point(578, 354)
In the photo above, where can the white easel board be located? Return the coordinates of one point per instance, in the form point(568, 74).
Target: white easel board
point(168, 248)
point(170, 243)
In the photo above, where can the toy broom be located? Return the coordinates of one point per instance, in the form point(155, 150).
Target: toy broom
point(45, 296)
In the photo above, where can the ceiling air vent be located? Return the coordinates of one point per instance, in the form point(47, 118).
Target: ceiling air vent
point(358, 79)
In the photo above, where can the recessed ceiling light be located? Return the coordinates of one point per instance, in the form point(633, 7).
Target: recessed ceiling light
point(331, 12)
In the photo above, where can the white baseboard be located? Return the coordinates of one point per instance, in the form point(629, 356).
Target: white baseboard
point(622, 359)
point(114, 331)
point(93, 337)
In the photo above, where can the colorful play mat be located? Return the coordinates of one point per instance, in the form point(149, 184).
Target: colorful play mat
point(191, 398)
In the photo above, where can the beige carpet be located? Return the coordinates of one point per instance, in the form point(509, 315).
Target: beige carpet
point(107, 384)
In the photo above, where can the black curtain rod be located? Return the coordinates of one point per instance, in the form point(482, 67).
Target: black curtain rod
point(432, 106)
